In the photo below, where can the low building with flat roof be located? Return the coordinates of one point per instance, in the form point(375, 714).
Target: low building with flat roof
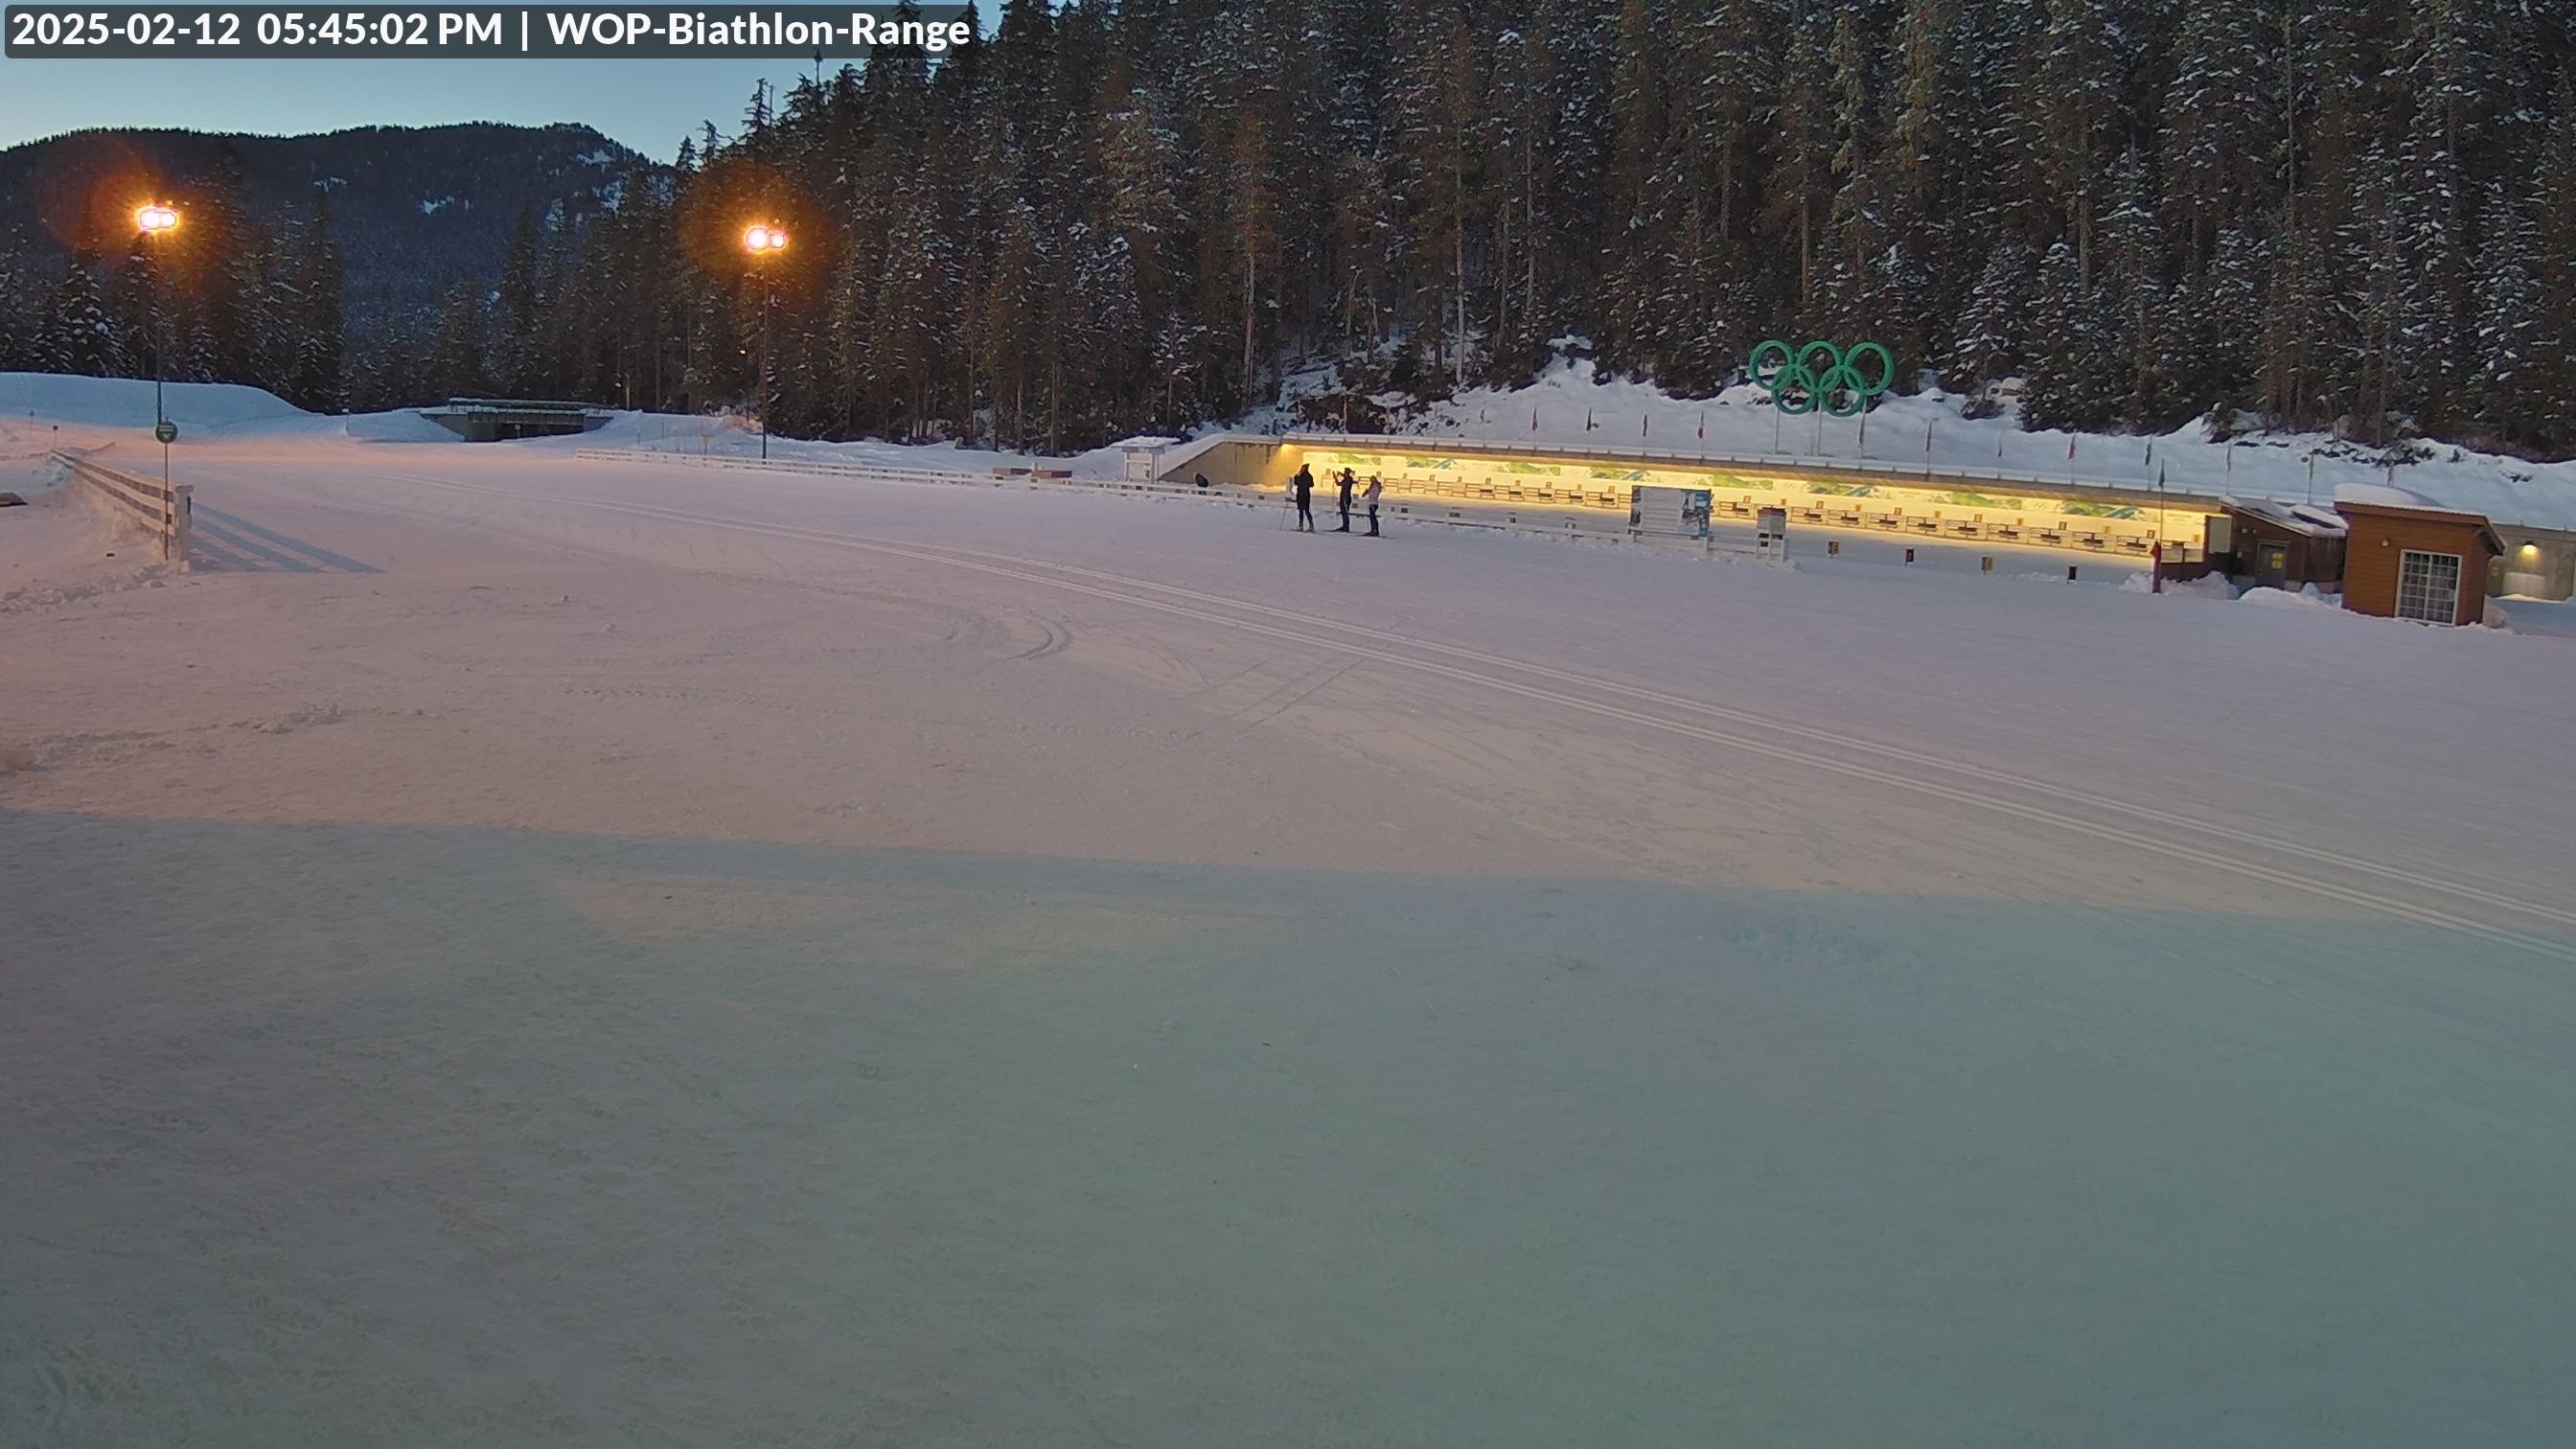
point(2405, 558)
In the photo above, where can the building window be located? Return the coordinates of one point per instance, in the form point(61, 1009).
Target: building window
point(2428, 587)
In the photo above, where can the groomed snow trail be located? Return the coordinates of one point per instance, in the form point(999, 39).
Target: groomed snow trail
point(532, 948)
point(1987, 788)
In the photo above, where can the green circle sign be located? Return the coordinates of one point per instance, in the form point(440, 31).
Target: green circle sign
point(165, 430)
point(1819, 375)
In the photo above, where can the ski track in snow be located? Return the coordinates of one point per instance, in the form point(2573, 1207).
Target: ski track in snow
point(544, 949)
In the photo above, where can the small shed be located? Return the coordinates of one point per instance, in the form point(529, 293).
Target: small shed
point(2269, 544)
point(2408, 558)
point(1145, 457)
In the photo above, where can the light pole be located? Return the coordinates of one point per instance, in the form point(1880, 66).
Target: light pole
point(764, 240)
point(158, 219)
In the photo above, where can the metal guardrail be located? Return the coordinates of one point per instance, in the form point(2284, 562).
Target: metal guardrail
point(163, 508)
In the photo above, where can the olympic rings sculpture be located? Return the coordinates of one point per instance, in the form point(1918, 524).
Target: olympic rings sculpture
point(1802, 379)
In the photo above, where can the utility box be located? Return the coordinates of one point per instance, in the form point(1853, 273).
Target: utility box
point(1144, 458)
point(1771, 530)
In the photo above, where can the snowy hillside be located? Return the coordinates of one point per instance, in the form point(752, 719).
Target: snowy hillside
point(1571, 406)
point(409, 205)
point(47, 397)
point(41, 409)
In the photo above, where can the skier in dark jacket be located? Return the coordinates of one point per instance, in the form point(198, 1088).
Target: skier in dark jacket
point(1302, 489)
point(1346, 483)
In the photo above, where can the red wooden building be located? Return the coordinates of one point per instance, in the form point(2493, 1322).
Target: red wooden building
point(2407, 559)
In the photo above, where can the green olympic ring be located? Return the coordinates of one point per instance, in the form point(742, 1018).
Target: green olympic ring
point(1799, 385)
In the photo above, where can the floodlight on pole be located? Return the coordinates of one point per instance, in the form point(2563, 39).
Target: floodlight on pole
point(763, 240)
point(157, 219)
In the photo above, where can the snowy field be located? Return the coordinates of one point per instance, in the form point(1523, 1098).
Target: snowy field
point(525, 949)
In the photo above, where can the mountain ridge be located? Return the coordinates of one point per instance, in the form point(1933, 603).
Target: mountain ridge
point(411, 206)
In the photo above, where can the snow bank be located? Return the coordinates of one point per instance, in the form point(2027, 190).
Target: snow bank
point(2306, 598)
point(127, 402)
point(2522, 614)
point(403, 426)
point(2208, 586)
point(730, 437)
point(64, 544)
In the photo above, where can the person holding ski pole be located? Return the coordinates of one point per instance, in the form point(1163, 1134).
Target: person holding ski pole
point(1376, 490)
point(1301, 490)
point(1348, 481)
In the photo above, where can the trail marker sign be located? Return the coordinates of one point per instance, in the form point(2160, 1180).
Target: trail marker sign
point(165, 430)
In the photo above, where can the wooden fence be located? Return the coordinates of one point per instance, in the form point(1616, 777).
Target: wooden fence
point(160, 507)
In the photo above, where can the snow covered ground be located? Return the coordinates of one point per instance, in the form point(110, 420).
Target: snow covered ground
point(522, 947)
point(62, 544)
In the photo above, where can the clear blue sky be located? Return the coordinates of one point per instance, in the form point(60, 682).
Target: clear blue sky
point(648, 104)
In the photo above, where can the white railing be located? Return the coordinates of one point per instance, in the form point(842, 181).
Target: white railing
point(160, 507)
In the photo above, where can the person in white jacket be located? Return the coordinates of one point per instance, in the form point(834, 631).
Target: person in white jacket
point(1371, 494)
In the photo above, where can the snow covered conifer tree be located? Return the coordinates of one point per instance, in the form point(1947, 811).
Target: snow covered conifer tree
point(1992, 329)
point(517, 327)
point(77, 327)
point(2068, 360)
point(2137, 317)
point(2219, 114)
point(18, 310)
point(320, 345)
point(457, 366)
point(2512, 374)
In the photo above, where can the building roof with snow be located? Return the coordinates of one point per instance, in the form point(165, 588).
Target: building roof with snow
point(2303, 518)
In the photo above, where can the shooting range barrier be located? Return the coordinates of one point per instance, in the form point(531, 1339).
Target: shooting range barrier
point(2030, 513)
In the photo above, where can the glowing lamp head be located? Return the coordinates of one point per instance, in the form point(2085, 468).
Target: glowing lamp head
point(760, 240)
point(156, 218)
